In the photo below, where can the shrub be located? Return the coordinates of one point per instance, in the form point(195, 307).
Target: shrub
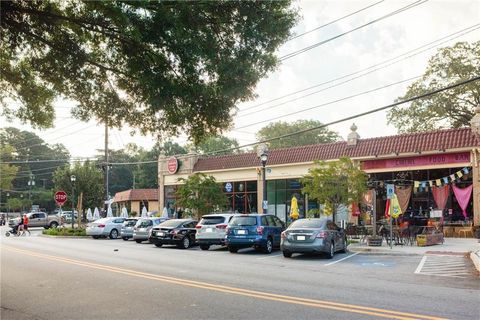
point(65, 232)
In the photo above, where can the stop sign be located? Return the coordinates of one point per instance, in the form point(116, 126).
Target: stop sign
point(60, 197)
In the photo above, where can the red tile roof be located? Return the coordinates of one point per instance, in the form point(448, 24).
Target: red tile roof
point(137, 195)
point(404, 143)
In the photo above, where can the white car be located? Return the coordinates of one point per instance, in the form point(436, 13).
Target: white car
point(211, 229)
point(105, 227)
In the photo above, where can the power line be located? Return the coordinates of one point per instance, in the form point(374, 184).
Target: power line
point(380, 66)
point(334, 21)
point(329, 103)
point(405, 8)
point(430, 93)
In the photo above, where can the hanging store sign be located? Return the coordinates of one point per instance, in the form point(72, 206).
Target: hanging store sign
point(428, 160)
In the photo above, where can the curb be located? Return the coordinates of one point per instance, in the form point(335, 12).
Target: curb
point(475, 256)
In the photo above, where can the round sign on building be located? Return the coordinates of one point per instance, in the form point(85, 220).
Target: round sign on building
point(172, 165)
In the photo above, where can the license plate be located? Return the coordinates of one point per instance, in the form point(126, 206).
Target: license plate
point(300, 237)
point(161, 234)
point(209, 230)
point(241, 232)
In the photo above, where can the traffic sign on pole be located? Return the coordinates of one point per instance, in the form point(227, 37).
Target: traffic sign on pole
point(60, 197)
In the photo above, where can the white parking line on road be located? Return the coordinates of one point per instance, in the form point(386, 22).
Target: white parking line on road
point(329, 264)
point(443, 266)
point(269, 256)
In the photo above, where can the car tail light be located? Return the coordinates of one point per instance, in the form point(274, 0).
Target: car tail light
point(101, 226)
point(221, 226)
point(198, 226)
point(283, 235)
point(321, 234)
point(260, 230)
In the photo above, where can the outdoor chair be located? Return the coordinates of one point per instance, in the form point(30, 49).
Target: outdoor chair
point(465, 230)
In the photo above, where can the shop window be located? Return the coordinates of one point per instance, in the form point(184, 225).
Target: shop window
point(252, 186)
point(252, 202)
point(294, 184)
point(271, 185)
point(239, 186)
point(281, 184)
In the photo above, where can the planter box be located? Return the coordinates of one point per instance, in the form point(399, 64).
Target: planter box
point(374, 242)
point(429, 239)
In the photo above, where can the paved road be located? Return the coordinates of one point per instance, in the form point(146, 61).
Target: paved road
point(45, 278)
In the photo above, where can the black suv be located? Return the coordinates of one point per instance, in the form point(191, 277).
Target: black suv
point(180, 232)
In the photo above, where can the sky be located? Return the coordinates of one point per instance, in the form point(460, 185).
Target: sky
point(358, 50)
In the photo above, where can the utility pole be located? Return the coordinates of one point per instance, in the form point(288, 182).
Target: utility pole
point(106, 165)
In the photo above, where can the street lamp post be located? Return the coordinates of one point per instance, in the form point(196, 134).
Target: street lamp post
point(262, 153)
point(31, 183)
point(73, 179)
point(8, 205)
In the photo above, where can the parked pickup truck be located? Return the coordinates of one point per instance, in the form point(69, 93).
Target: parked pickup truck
point(38, 219)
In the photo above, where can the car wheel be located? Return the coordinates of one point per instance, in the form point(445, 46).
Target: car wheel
point(268, 246)
point(113, 234)
point(138, 241)
point(125, 239)
point(95, 237)
point(158, 245)
point(53, 224)
point(233, 249)
point(185, 243)
point(345, 244)
point(7, 234)
point(331, 251)
point(204, 246)
point(287, 254)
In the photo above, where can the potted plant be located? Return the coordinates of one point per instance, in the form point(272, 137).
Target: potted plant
point(374, 241)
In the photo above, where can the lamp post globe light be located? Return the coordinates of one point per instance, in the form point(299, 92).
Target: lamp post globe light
point(73, 179)
point(262, 152)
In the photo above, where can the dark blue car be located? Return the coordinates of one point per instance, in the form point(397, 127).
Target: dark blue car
point(261, 231)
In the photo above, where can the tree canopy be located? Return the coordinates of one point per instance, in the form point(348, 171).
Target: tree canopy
point(448, 109)
point(28, 147)
point(335, 183)
point(159, 66)
point(276, 129)
point(216, 143)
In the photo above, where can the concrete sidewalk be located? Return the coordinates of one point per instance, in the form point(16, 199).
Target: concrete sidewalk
point(452, 245)
point(466, 246)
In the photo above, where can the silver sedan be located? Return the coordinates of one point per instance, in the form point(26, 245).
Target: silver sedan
point(141, 231)
point(105, 227)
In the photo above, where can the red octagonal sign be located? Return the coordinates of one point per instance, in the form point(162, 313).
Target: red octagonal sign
point(60, 197)
point(172, 165)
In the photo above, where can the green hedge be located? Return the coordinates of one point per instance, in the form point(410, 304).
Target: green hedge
point(65, 232)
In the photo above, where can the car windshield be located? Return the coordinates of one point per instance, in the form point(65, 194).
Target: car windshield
point(143, 223)
point(130, 223)
point(212, 220)
point(171, 223)
point(244, 221)
point(309, 223)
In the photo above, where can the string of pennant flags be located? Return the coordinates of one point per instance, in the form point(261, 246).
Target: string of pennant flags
point(424, 185)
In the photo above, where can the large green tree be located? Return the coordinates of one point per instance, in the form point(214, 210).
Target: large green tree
point(211, 145)
point(276, 129)
point(448, 109)
point(335, 183)
point(30, 150)
point(89, 180)
point(157, 65)
point(7, 171)
point(201, 194)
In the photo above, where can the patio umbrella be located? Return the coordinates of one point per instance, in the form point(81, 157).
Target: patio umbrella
point(294, 208)
point(144, 212)
point(124, 212)
point(165, 212)
point(96, 214)
point(89, 214)
point(109, 211)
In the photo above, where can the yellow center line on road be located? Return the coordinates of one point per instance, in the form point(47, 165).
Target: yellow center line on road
point(378, 312)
